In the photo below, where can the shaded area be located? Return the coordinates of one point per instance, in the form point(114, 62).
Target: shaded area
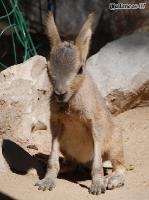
point(70, 171)
point(81, 173)
point(13, 24)
point(5, 197)
point(19, 160)
point(100, 37)
point(78, 173)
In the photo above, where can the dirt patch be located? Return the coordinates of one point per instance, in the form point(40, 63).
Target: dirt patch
point(136, 143)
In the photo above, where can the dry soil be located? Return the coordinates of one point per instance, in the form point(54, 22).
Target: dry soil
point(136, 144)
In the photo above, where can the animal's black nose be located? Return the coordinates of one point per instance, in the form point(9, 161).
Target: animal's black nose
point(60, 95)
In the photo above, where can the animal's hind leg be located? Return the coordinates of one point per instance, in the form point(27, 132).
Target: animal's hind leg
point(117, 178)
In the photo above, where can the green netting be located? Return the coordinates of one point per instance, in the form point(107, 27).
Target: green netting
point(19, 33)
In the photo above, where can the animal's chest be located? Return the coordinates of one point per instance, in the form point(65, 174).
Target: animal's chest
point(76, 139)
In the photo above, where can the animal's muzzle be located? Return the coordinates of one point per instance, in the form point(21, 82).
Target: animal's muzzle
point(60, 95)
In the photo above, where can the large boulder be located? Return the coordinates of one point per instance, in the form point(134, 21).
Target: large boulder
point(24, 107)
point(121, 72)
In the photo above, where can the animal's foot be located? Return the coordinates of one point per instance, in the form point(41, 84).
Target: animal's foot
point(114, 181)
point(45, 184)
point(97, 188)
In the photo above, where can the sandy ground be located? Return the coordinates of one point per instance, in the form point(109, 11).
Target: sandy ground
point(136, 143)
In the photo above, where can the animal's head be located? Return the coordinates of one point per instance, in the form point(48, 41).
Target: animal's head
point(67, 59)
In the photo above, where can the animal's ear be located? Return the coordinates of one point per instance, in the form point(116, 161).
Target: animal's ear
point(52, 31)
point(84, 37)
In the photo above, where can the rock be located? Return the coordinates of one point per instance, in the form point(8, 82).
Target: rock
point(42, 140)
point(130, 167)
point(24, 105)
point(121, 72)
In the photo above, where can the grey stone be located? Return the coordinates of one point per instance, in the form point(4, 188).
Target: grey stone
point(121, 72)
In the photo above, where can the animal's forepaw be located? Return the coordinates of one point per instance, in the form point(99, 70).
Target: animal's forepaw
point(45, 184)
point(97, 188)
point(114, 181)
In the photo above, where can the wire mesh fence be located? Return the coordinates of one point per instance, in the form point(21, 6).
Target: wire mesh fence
point(16, 44)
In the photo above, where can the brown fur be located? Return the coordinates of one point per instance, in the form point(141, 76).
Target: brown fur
point(81, 125)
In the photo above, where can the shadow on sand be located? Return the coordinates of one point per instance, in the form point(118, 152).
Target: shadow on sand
point(5, 197)
point(21, 161)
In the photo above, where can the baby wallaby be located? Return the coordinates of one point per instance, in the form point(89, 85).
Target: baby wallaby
point(81, 126)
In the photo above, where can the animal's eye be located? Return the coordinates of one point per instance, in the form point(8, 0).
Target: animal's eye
point(80, 71)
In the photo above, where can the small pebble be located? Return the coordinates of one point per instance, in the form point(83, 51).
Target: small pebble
point(130, 167)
